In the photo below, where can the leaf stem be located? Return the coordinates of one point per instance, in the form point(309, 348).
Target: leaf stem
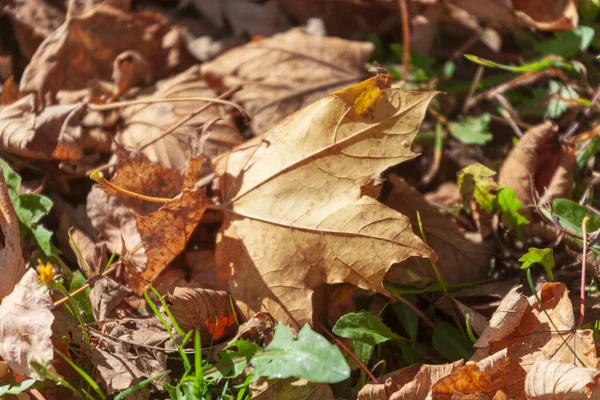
point(584, 223)
point(98, 177)
point(351, 354)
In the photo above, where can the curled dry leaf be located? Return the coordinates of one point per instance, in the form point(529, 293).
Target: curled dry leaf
point(459, 259)
point(539, 156)
point(12, 265)
point(206, 310)
point(26, 325)
point(83, 49)
point(143, 124)
point(53, 133)
point(548, 15)
point(294, 216)
point(273, 72)
point(550, 380)
point(258, 329)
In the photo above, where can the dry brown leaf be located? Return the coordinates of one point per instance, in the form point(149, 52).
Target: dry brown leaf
point(243, 16)
point(278, 389)
point(273, 72)
point(557, 340)
point(83, 49)
point(483, 379)
point(112, 213)
point(461, 259)
point(258, 329)
point(550, 380)
point(32, 21)
point(144, 123)
point(164, 235)
point(26, 325)
point(52, 133)
point(206, 310)
point(104, 296)
point(294, 215)
point(549, 15)
point(478, 322)
point(540, 155)
point(12, 265)
point(131, 350)
point(347, 19)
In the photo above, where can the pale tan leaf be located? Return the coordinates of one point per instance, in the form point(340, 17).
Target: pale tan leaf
point(294, 216)
point(142, 124)
point(205, 310)
point(459, 259)
point(505, 319)
point(12, 265)
point(550, 380)
point(273, 72)
point(26, 325)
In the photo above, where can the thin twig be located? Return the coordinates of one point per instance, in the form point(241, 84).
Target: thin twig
point(573, 128)
point(415, 309)
point(86, 286)
point(583, 262)
point(351, 354)
point(194, 114)
point(474, 83)
point(405, 38)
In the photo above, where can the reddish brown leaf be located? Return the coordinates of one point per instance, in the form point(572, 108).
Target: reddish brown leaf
point(206, 310)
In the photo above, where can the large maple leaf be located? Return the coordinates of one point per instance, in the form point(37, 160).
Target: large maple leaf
point(295, 217)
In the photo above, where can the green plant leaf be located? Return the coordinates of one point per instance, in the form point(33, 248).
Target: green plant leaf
point(363, 350)
point(450, 343)
point(506, 200)
point(30, 209)
point(472, 130)
point(82, 299)
point(474, 182)
point(545, 257)
point(310, 357)
point(423, 67)
point(569, 215)
point(558, 91)
point(408, 318)
point(539, 65)
point(567, 43)
point(16, 389)
point(364, 326)
point(233, 360)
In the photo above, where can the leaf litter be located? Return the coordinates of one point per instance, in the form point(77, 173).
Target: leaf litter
point(360, 237)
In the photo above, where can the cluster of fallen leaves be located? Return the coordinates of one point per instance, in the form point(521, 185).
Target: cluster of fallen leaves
point(289, 226)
